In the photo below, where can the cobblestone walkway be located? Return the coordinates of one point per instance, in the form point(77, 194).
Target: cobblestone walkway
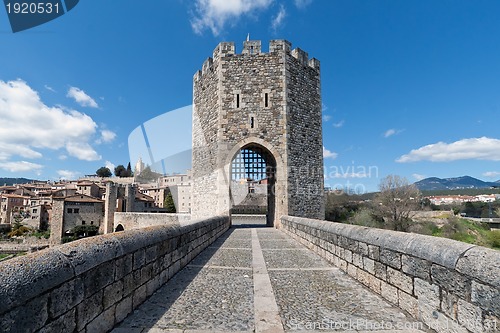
point(260, 280)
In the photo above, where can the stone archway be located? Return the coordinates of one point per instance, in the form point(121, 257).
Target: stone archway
point(260, 162)
point(119, 227)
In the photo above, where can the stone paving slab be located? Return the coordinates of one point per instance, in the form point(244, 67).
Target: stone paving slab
point(259, 279)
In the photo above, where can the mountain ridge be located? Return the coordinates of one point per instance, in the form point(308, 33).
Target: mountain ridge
point(453, 183)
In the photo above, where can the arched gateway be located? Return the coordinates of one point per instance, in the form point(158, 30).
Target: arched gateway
point(257, 132)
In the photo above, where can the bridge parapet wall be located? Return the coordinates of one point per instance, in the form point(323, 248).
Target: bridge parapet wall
point(92, 284)
point(450, 286)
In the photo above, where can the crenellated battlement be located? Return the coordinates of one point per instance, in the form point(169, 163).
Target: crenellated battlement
point(254, 48)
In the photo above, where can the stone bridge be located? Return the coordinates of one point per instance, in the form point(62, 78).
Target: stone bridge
point(209, 276)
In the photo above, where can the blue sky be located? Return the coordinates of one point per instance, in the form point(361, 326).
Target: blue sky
point(409, 87)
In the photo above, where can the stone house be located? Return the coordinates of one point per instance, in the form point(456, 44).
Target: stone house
point(82, 209)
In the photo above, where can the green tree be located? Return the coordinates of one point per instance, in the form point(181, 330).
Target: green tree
point(169, 204)
point(397, 201)
point(129, 171)
point(120, 171)
point(103, 172)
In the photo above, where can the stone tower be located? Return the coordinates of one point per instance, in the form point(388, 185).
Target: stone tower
point(264, 102)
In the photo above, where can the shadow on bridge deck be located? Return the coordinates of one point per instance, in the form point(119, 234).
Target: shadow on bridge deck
point(256, 279)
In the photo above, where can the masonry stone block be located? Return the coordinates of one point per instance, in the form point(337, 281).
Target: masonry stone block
point(389, 292)
point(87, 253)
point(369, 265)
point(123, 309)
point(99, 277)
point(27, 318)
point(89, 309)
point(408, 303)
point(449, 304)
point(66, 297)
point(374, 252)
point(41, 271)
point(428, 294)
point(483, 263)
point(352, 271)
point(451, 281)
point(64, 323)
point(363, 249)
point(347, 256)
point(139, 259)
point(390, 258)
point(400, 280)
point(123, 266)
point(104, 322)
point(343, 265)
point(357, 260)
point(151, 253)
point(112, 294)
point(488, 298)
point(470, 316)
point(416, 267)
point(140, 295)
point(380, 271)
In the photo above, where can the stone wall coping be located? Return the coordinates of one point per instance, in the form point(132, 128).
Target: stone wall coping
point(472, 260)
point(23, 278)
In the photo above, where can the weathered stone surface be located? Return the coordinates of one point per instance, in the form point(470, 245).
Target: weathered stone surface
point(400, 280)
point(66, 297)
point(470, 316)
point(449, 304)
point(87, 310)
point(488, 298)
point(40, 271)
point(408, 303)
point(87, 253)
point(416, 267)
point(446, 252)
point(103, 323)
point(112, 294)
point(451, 281)
point(481, 263)
point(65, 323)
point(369, 265)
point(390, 258)
point(389, 292)
point(427, 294)
point(27, 318)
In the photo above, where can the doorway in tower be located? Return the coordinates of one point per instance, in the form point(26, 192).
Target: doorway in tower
point(252, 186)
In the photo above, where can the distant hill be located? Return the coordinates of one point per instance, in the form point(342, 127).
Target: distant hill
point(12, 181)
point(465, 182)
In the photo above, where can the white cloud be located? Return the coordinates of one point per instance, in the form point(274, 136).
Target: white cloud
point(278, 19)
point(81, 97)
point(302, 3)
point(391, 132)
point(492, 174)
point(329, 154)
point(49, 88)
point(107, 136)
point(68, 175)
point(110, 166)
point(326, 117)
point(467, 149)
point(339, 124)
point(214, 14)
point(20, 166)
point(82, 151)
point(418, 176)
point(28, 125)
